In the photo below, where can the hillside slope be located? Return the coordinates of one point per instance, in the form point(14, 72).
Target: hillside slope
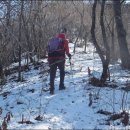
point(77, 107)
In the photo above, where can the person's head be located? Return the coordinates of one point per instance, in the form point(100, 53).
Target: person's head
point(63, 30)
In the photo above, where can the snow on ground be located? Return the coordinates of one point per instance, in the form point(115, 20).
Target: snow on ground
point(70, 108)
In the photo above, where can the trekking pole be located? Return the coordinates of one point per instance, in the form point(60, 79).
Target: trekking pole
point(70, 64)
point(72, 72)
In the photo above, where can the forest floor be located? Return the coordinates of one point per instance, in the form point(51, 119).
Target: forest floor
point(79, 106)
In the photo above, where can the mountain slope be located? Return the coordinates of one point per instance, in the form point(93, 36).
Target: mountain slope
point(76, 107)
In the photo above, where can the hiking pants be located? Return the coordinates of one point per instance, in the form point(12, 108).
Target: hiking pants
point(53, 67)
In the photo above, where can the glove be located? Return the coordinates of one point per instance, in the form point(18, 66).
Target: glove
point(69, 55)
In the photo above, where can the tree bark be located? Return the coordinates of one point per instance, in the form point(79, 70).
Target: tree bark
point(93, 31)
point(85, 40)
point(107, 59)
point(121, 33)
point(19, 39)
point(81, 25)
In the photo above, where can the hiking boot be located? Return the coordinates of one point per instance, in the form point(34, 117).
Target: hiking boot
point(52, 92)
point(62, 88)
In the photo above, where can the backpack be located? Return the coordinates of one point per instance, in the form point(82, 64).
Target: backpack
point(56, 47)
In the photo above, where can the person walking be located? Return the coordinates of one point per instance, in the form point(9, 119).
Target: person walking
point(57, 48)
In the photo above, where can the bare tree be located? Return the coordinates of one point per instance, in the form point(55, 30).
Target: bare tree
point(105, 58)
point(121, 33)
point(81, 24)
point(19, 40)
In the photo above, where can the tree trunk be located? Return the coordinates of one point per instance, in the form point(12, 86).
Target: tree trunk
point(121, 33)
point(81, 26)
point(1, 73)
point(93, 31)
point(107, 59)
point(85, 40)
point(26, 32)
point(114, 57)
point(19, 71)
point(19, 39)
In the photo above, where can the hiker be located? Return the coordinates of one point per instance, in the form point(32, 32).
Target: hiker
point(57, 48)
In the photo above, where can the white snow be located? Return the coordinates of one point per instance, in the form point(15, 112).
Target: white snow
point(69, 108)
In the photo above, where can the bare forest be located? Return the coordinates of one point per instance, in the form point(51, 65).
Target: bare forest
point(27, 25)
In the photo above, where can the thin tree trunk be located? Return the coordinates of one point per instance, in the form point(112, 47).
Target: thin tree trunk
point(81, 26)
point(114, 57)
point(19, 39)
point(85, 40)
point(93, 31)
point(1, 73)
point(26, 32)
point(107, 59)
point(19, 71)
